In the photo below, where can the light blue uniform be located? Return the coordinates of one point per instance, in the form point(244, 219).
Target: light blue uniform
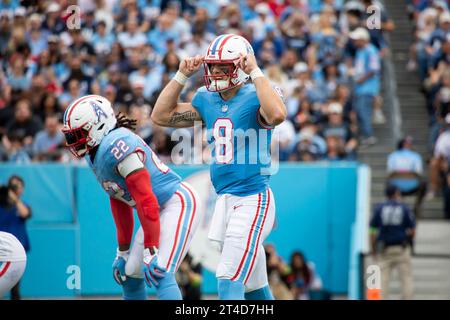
point(115, 147)
point(227, 120)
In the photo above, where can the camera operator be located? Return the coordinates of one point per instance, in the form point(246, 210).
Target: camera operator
point(13, 215)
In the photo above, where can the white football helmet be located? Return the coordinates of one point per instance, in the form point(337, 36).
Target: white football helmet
point(226, 50)
point(86, 121)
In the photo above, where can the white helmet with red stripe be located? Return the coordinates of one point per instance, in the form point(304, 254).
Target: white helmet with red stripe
point(226, 50)
point(86, 121)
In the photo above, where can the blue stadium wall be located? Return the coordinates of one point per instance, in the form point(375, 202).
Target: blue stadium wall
point(71, 225)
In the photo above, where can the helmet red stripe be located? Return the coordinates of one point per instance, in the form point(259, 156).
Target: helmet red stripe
point(223, 43)
point(75, 104)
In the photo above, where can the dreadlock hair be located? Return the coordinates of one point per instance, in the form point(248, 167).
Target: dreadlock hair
point(124, 122)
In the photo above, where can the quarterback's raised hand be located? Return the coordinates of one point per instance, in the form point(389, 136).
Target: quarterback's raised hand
point(152, 271)
point(190, 65)
point(119, 266)
point(247, 63)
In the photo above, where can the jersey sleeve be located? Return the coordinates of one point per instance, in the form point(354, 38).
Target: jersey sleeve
point(120, 148)
point(198, 101)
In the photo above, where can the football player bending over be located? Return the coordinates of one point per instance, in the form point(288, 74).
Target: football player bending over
point(133, 176)
point(245, 210)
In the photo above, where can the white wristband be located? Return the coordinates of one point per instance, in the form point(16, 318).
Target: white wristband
point(257, 73)
point(123, 254)
point(180, 78)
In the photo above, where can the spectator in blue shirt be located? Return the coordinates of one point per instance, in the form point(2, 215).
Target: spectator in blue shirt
point(367, 82)
point(101, 40)
point(160, 34)
point(392, 230)
point(18, 77)
point(248, 9)
point(48, 143)
point(13, 215)
point(272, 37)
point(132, 38)
point(439, 35)
point(405, 169)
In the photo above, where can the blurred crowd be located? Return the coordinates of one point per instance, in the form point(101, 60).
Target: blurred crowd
point(323, 54)
point(430, 58)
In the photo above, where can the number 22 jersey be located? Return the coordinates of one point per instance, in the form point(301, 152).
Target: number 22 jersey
point(116, 146)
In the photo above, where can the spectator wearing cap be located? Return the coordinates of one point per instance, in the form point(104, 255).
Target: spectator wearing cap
point(339, 134)
point(392, 229)
point(19, 18)
point(405, 170)
point(151, 78)
point(53, 22)
point(301, 78)
point(439, 168)
point(439, 61)
point(258, 25)
point(366, 82)
point(324, 39)
point(137, 88)
point(377, 35)
point(54, 49)
point(439, 35)
point(308, 145)
point(36, 36)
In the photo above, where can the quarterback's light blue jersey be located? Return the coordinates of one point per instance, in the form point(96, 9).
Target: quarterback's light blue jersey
point(240, 141)
point(115, 147)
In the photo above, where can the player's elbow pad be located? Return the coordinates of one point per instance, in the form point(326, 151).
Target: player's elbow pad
point(149, 207)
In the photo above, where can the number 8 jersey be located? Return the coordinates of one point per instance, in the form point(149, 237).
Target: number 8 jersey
point(115, 147)
point(240, 141)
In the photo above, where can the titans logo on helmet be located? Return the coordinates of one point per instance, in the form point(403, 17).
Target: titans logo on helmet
point(98, 111)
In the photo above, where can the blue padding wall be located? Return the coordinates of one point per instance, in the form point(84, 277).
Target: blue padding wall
point(49, 190)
